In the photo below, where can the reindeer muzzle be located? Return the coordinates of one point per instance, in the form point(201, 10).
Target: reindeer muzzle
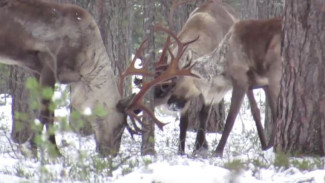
point(176, 103)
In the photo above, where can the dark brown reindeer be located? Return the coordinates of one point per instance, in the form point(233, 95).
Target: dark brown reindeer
point(247, 58)
point(210, 22)
point(62, 43)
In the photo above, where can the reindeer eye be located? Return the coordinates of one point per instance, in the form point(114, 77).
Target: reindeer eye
point(165, 86)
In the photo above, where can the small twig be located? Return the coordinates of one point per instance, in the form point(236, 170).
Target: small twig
point(11, 145)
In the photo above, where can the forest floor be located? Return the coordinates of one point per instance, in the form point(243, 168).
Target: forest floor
point(243, 159)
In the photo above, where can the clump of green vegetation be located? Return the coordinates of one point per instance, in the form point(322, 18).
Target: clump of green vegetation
point(126, 170)
point(22, 172)
point(147, 161)
point(281, 161)
point(257, 163)
point(236, 165)
point(308, 164)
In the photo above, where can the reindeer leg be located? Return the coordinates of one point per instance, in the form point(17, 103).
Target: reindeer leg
point(47, 79)
point(238, 94)
point(183, 129)
point(271, 93)
point(257, 118)
point(201, 142)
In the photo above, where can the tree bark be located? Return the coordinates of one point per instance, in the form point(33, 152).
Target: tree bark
point(176, 19)
point(261, 9)
point(148, 136)
point(22, 114)
point(301, 108)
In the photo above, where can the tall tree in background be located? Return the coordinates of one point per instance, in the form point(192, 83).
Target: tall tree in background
point(148, 136)
point(301, 108)
point(181, 10)
point(22, 113)
point(260, 9)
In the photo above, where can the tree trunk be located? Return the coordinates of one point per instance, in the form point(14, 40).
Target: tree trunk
point(215, 121)
point(261, 9)
point(180, 14)
point(301, 108)
point(22, 114)
point(148, 136)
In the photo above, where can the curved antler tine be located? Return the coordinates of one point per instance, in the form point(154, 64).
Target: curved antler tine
point(172, 70)
point(163, 59)
point(171, 54)
point(131, 70)
point(186, 45)
point(137, 129)
point(192, 41)
point(181, 47)
point(131, 131)
point(152, 116)
point(138, 53)
point(188, 72)
point(133, 116)
point(159, 27)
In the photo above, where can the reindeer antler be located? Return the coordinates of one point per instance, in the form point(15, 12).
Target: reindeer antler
point(131, 70)
point(173, 66)
point(136, 102)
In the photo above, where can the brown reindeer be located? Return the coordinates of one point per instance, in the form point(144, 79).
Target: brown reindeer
point(62, 43)
point(210, 22)
point(247, 58)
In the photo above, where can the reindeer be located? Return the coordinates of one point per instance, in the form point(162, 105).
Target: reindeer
point(210, 22)
point(247, 58)
point(62, 43)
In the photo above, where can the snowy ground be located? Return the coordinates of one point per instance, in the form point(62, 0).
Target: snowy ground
point(243, 160)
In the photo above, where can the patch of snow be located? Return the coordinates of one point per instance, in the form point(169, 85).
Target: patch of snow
point(80, 162)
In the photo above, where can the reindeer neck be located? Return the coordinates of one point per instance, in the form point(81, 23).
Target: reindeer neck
point(214, 63)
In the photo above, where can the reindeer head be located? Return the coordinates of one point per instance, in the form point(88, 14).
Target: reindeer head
point(134, 103)
point(165, 91)
point(210, 22)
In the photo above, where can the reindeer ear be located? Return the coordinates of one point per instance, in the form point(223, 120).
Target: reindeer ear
point(189, 56)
